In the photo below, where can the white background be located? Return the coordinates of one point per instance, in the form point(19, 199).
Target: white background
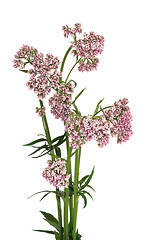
point(127, 177)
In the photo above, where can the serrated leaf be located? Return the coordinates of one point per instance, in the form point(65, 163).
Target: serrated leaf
point(35, 141)
point(97, 107)
point(88, 180)
point(79, 94)
point(45, 231)
point(84, 198)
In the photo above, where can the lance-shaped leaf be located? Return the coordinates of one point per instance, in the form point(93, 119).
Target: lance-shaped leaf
point(97, 107)
point(58, 151)
point(79, 94)
point(84, 198)
point(83, 179)
point(51, 220)
point(45, 231)
point(88, 180)
point(35, 141)
point(45, 146)
point(42, 154)
point(85, 192)
point(22, 70)
point(58, 193)
point(76, 109)
point(58, 138)
point(45, 195)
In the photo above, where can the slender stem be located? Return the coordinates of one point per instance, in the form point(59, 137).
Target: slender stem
point(72, 69)
point(63, 61)
point(69, 151)
point(76, 178)
point(49, 140)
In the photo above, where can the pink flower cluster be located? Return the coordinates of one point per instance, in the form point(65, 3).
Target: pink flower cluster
point(120, 119)
point(40, 111)
point(42, 78)
point(72, 31)
point(84, 129)
point(61, 102)
point(115, 121)
point(56, 173)
point(87, 49)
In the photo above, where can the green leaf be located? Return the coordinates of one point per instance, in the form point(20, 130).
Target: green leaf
point(35, 141)
point(97, 107)
point(51, 220)
point(49, 216)
point(45, 195)
point(88, 180)
point(83, 179)
point(45, 231)
point(76, 109)
point(91, 187)
point(58, 151)
point(85, 192)
point(38, 149)
point(78, 236)
point(57, 236)
point(84, 198)
point(60, 142)
point(22, 70)
point(42, 154)
point(53, 224)
point(58, 193)
point(58, 138)
point(79, 94)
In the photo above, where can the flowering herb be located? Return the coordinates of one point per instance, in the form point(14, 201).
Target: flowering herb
point(46, 75)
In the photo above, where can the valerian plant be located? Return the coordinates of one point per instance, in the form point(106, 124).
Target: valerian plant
point(46, 77)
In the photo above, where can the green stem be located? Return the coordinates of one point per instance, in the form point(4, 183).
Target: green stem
point(76, 178)
point(63, 62)
point(67, 200)
point(49, 140)
point(72, 69)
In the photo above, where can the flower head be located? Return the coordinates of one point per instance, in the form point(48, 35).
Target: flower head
point(120, 120)
point(61, 102)
point(56, 173)
point(72, 31)
point(43, 74)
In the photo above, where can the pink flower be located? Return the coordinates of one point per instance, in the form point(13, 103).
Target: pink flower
point(40, 111)
point(120, 120)
point(72, 31)
point(56, 173)
point(87, 49)
point(61, 102)
point(43, 75)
